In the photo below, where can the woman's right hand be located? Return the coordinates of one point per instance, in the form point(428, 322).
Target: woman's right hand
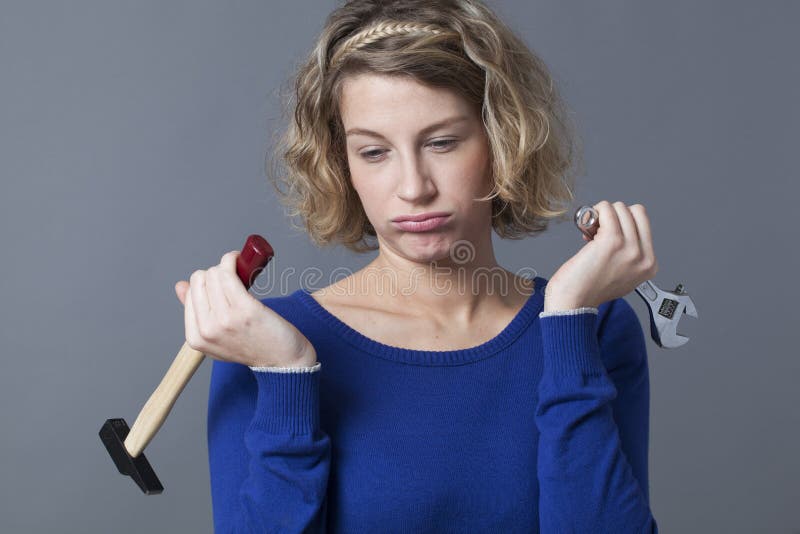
point(225, 322)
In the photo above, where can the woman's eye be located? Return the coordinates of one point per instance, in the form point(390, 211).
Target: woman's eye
point(371, 155)
point(443, 143)
point(440, 145)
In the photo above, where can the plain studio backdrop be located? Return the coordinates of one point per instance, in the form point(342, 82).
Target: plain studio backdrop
point(133, 137)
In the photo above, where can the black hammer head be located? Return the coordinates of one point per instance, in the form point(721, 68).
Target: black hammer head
point(113, 434)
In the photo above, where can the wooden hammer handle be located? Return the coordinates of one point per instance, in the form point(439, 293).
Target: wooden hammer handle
point(255, 254)
point(158, 406)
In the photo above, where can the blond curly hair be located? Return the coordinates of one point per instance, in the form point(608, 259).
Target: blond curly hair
point(460, 45)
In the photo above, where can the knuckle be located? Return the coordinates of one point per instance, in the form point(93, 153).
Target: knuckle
point(200, 332)
point(636, 255)
point(638, 207)
point(616, 243)
point(649, 266)
point(629, 257)
point(227, 323)
point(193, 341)
point(206, 332)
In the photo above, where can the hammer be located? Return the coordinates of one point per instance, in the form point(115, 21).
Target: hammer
point(666, 307)
point(126, 445)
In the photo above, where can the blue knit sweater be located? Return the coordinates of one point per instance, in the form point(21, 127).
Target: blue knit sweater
point(543, 428)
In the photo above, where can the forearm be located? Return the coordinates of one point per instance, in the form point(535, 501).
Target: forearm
point(270, 469)
point(586, 480)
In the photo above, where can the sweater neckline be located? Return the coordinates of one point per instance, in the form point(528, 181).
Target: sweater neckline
point(512, 331)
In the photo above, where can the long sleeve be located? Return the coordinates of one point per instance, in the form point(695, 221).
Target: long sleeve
point(593, 423)
point(269, 458)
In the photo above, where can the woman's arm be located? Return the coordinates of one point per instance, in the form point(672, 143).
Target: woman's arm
point(593, 422)
point(269, 459)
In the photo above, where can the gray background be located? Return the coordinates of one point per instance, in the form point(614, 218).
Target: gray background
point(132, 145)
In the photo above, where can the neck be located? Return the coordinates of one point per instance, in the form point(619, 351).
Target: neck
point(457, 287)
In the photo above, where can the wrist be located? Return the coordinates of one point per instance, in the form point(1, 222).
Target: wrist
point(563, 306)
point(557, 300)
point(307, 358)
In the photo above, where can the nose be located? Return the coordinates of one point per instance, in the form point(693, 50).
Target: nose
point(415, 184)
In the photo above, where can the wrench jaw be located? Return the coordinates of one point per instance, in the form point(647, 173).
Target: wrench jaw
point(666, 309)
point(686, 306)
point(690, 310)
point(663, 331)
point(669, 337)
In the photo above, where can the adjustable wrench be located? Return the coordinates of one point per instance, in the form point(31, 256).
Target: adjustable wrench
point(665, 307)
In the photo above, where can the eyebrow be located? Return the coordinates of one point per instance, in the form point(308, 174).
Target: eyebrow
point(427, 129)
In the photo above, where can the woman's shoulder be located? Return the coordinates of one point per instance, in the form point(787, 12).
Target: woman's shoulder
point(620, 332)
point(283, 304)
point(300, 310)
point(615, 315)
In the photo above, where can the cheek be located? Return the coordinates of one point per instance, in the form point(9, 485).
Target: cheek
point(371, 196)
point(476, 171)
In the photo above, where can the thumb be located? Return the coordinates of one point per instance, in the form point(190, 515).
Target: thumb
point(180, 290)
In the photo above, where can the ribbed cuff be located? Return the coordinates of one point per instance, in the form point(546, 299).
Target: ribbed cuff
point(570, 345)
point(287, 402)
point(268, 369)
point(567, 312)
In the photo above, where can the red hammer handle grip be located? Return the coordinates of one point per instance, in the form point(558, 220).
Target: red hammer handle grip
point(254, 256)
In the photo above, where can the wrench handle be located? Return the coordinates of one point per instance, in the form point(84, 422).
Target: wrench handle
point(648, 291)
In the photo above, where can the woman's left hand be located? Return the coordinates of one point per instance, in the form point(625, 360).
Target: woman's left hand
point(611, 265)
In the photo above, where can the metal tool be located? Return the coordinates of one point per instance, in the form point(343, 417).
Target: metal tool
point(666, 307)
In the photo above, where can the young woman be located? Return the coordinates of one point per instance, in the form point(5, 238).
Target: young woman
point(433, 390)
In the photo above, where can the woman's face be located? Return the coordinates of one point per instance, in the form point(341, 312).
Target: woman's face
point(414, 149)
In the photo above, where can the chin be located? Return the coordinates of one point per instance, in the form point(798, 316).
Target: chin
point(434, 250)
